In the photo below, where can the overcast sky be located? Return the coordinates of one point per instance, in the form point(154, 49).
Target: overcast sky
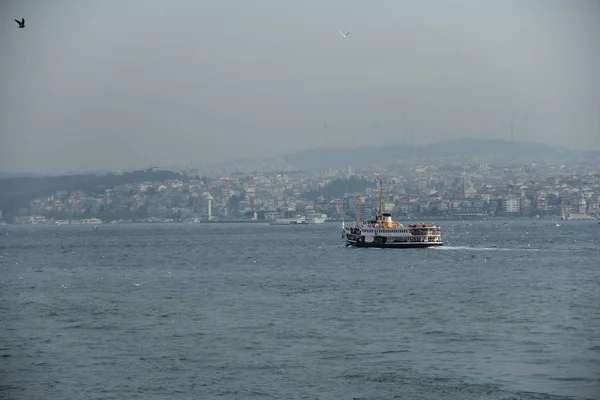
point(102, 84)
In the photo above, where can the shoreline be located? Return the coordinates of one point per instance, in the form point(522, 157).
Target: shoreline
point(266, 222)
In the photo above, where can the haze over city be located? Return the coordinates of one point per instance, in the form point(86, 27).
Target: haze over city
point(131, 83)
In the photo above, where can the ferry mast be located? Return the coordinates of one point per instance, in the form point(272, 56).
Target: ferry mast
point(379, 213)
point(358, 212)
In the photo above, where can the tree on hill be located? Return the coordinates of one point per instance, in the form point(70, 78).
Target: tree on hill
point(339, 188)
point(19, 191)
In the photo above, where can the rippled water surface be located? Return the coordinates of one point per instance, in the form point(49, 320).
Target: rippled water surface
point(240, 311)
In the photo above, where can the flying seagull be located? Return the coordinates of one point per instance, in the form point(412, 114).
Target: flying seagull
point(344, 35)
point(21, 23)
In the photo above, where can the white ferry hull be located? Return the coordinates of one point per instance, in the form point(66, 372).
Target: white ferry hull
point(310, 220)
point(395, 238)
point(407, 245)
point(288, 221)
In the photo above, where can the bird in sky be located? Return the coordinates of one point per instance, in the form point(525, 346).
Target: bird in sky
point(21, 23)
point(344, 35)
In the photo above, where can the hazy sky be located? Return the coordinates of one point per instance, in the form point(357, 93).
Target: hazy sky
point(101, 84)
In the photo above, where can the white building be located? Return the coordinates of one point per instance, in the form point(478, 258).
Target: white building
point(512, 204)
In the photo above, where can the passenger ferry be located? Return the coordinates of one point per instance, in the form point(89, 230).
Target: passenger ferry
point(301, 220)
point(385, 233)
point(288, 221)
point(315, 218)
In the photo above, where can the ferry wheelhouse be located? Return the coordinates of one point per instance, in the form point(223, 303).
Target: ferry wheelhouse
point(385, 233)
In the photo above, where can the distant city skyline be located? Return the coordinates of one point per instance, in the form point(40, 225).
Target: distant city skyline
point(420, 190)
point(135, 83)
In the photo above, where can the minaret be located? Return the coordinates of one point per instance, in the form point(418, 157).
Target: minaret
point(209, 198)
point(349, 171)
point(582, 209)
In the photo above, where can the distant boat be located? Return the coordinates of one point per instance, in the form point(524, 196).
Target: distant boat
point(289, 221)
point(310, 219)
point(315, 218)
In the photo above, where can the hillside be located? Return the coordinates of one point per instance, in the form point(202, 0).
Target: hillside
point(16, 192)
point(466, 150)
point(338, 188)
